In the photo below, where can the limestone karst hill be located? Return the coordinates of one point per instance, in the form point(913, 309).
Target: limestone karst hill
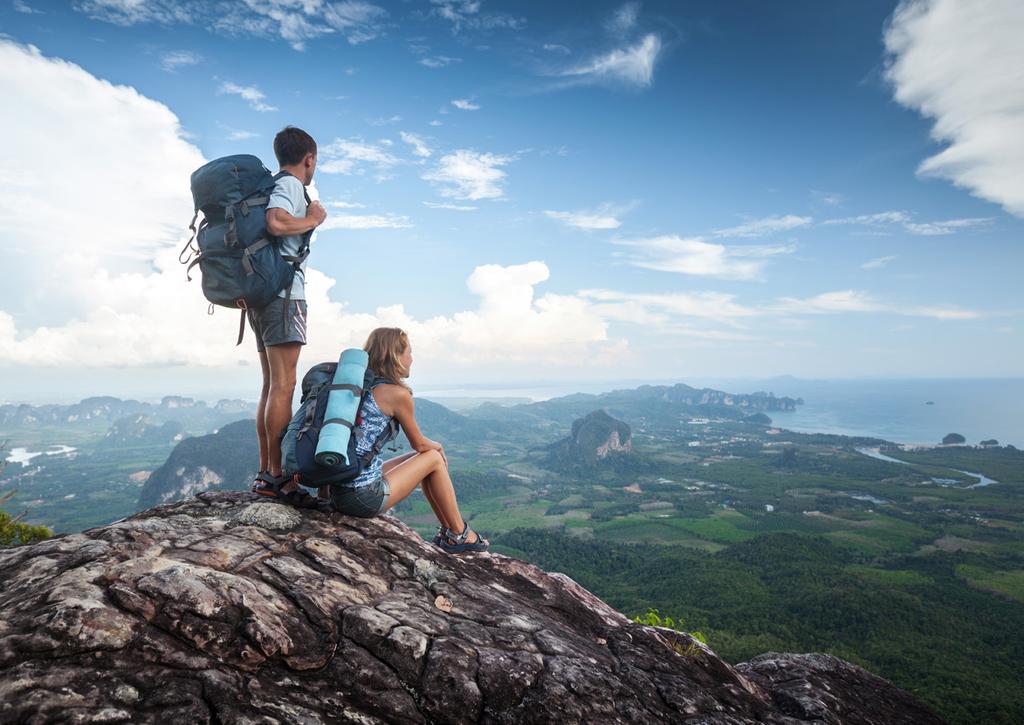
point(226, 609)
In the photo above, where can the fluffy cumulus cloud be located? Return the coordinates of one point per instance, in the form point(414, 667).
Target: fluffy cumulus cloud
point(470, 175)
point(959, 62)
point(698, 257)
point(295, 21)
point(112, 292)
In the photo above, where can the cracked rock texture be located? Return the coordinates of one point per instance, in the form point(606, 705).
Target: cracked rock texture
point(224, 609)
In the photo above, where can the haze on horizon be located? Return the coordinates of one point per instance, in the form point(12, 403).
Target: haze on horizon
point(557, 195)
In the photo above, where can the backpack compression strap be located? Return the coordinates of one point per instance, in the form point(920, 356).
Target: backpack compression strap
point(299, 258)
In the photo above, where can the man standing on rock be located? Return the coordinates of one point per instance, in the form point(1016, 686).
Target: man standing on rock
point(281, 333)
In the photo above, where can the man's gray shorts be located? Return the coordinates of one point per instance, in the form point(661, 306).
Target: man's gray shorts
point(273, 327)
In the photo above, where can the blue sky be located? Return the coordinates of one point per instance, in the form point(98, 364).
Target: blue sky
point(537, 191)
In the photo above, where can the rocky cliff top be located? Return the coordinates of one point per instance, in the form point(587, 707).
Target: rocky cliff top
point(223, 608)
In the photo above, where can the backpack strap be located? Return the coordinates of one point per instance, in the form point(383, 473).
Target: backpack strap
point(370, 381)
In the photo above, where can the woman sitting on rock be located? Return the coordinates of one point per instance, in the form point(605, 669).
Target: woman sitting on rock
point(384, 483)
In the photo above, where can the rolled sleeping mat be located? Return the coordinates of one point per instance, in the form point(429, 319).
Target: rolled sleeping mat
point(343, 397)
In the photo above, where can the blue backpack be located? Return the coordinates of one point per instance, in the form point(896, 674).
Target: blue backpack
point(241, 264)
point(300, 438)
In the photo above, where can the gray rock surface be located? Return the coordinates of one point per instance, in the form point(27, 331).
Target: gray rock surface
point(221, 610)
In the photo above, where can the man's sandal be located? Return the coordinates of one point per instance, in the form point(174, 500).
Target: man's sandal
point(270, 487)
point(456, 543)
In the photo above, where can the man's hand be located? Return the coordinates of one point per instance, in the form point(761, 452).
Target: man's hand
point(316, 213)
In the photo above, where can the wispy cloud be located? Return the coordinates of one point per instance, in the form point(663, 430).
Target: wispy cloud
point(958, 63)
point(451, 207)
point(706, 305)
point(252, 94)
point(465, 14)
point(465, 105)
point(701, 258)
point(355, 156)
point(293, 21)
point(556, 48)
point(631, 66)
point(438, 61)
point(335, 204)
point(905, 220)
point(624, 18)
point(172, 60)
point(830, 198)
point(846, 301)
point(950, 226)
point(364, 221)
point(419, 146)
point(603, 218)
point(878, 262)
point(235, 134)
point(20, 6)
point(764, 227)
point(470, 175)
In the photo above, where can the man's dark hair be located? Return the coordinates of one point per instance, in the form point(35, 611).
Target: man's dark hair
point(292, 144)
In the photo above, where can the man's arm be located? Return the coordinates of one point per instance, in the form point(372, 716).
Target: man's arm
point(280, 223)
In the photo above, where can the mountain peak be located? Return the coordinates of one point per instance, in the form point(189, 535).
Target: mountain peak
point(223, 608)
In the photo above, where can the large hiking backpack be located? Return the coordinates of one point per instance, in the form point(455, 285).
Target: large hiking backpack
point(239, 259)
point(299, 440)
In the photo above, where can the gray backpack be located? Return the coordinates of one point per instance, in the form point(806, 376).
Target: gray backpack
point(241, 264)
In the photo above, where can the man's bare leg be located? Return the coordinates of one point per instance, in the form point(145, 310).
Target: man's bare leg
point(283, 360)
point(261, 411)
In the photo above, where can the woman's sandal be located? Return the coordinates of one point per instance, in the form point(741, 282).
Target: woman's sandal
point(270, 487)
point(456, 543)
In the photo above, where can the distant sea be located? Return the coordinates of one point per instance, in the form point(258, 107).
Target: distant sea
point(896, 410)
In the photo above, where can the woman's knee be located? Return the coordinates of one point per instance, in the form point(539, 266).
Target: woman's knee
point(434, 458)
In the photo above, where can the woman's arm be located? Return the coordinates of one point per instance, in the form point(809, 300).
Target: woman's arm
point(402, 407)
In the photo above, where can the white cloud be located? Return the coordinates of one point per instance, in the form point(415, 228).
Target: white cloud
point(435, 122)
point(419, 146)
point(295, 21)
point(763, 227)
point(695, 256)
point(958, 63)
point(470, 175)
point(624, 18)
point(556, 48)
point(23, 7)
point(905, 220)
point(465, 105)
point(344, 205)
point(451, 207)
point(844, 301)
point(364, 221)
point(438, 61)
point(466, 14)
point(585, 219)
point(716, 306)
point(252, 94)
point(885, 217)
point(950, 226)
point(878, 262)
point(830, 198)
point(354, 156)
point(172, 60)
point(240, 135)
point(632, 66)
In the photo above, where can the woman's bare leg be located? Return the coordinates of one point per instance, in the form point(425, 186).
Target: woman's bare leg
point(429, 469)
point(399, 460)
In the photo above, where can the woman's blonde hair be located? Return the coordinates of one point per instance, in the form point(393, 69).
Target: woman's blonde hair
point(384, 346)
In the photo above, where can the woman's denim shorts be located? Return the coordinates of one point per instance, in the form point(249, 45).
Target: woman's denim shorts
point(365, 501)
